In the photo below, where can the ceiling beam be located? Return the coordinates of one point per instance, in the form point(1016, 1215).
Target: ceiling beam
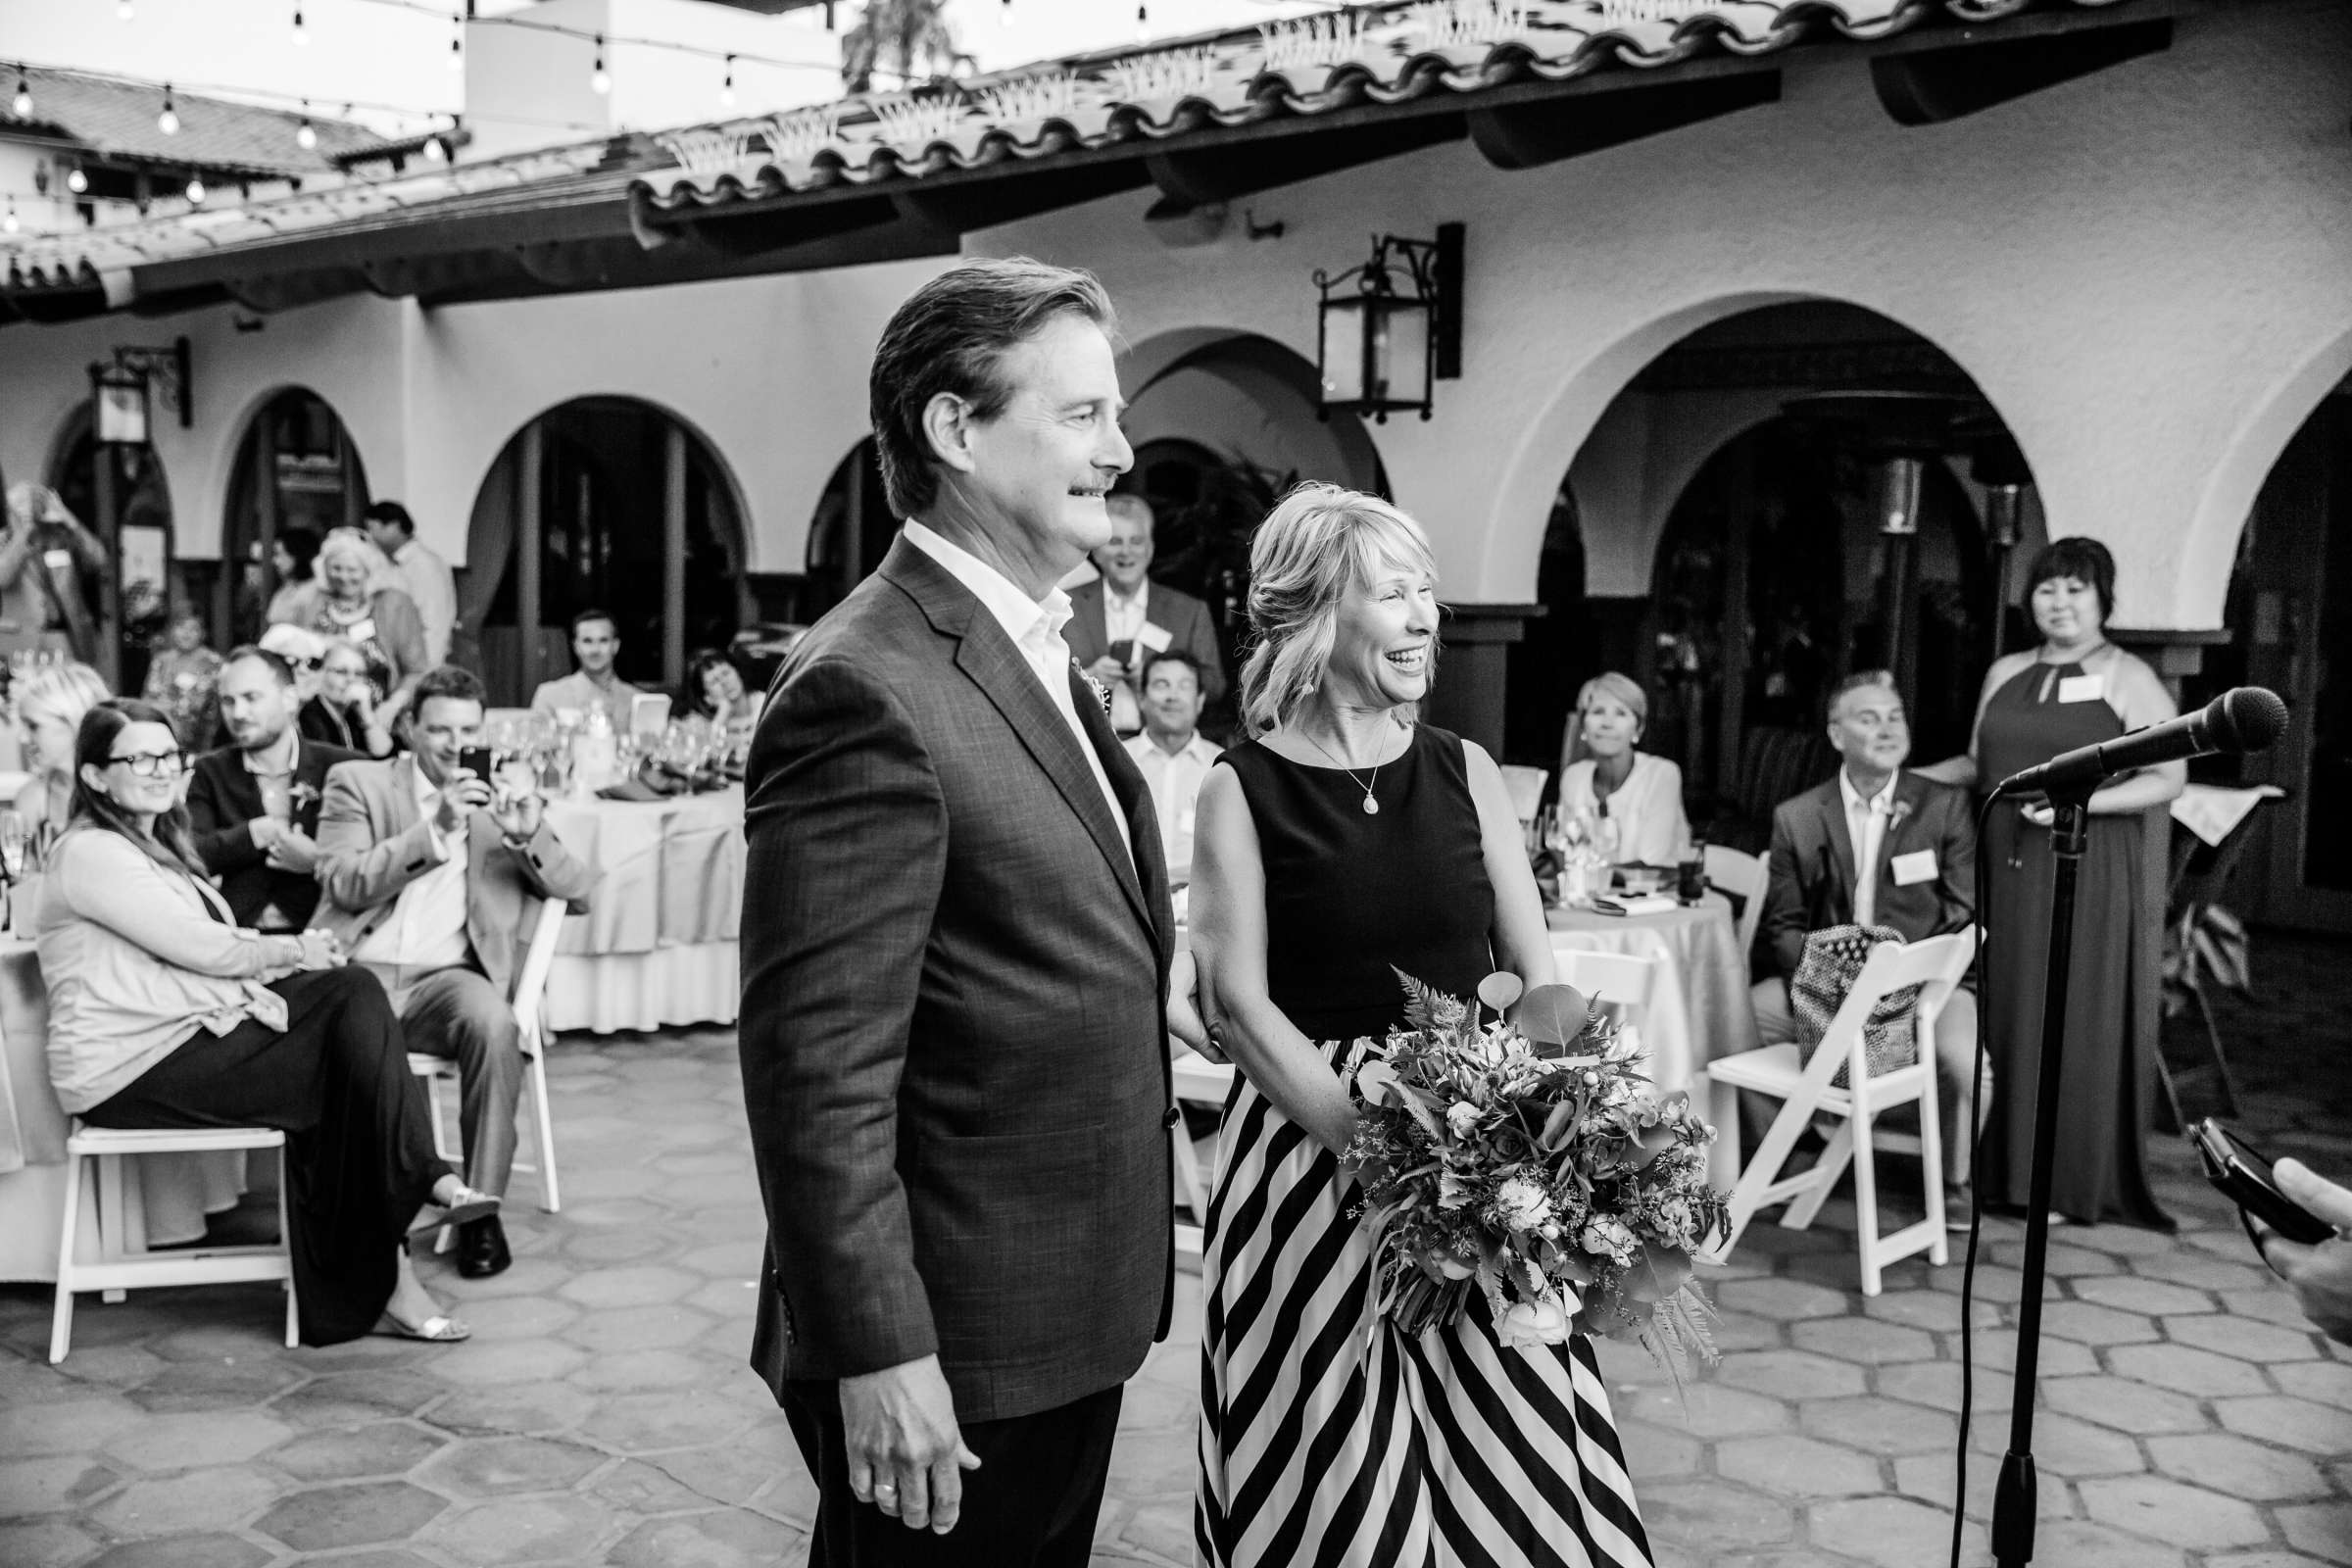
point(1530, 135)
point(1933, 86)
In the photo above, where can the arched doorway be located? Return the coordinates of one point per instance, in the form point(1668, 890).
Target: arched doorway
point(1783, 496)
point(125, 488)
point(608, 503)
point(848, 534)
point(2289, 619)
point(296, 468)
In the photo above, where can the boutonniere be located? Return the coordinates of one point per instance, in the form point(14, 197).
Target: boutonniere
point(1896, 812)
point(304, 795)
point(1102, 692)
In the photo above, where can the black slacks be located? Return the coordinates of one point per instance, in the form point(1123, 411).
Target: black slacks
point(1031, 1505)
point(359, 1160)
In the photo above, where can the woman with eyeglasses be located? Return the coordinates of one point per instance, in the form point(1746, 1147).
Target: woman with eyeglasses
point(162, 1013)
point(48, 701)
point(343, 710)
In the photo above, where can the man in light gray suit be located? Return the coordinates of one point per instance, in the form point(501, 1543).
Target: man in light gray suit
point(429, 873)
point(1121, 618)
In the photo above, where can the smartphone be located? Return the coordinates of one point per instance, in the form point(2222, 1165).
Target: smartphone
point(2242, 1173)
point(475, 760)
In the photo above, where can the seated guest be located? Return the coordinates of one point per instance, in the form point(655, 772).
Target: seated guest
point(184, 679)
point(1172, 753)
point(1603, 774)
point(361, 602)
point(303, 650)
point(595, 645)
point(254, 803)
point(428, 874)
point(162, 1013)
point(714, 689)
point(344, 711)
point(1879, 845)
point(49, 701)
point(1123, 617)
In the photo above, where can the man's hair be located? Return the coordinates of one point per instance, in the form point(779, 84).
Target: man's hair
point(1855, 682)
point(449, 680)
point(276, 662)
point(594, 614)
point(1175, 656)
point(1126, 503)
point(393, 513)
point(951, 336)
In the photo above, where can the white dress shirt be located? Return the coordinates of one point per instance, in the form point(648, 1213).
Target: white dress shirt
point(1866, 829)
point(427, 579)
point(1124, 616)
point(1175, 778)
point(428, 926)
point(1035, 627)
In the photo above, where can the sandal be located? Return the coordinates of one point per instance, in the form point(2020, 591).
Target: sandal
point(470, 1205)
point(440, 1329)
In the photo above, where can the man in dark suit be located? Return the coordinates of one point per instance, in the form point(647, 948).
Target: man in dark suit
point(254, 803)
point(1877, 846)
point(957, 943)
point(1123, 617)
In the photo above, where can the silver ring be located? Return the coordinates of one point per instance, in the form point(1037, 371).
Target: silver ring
point(881, 1486)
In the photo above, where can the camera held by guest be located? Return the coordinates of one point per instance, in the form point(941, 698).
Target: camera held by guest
point(1123, 617)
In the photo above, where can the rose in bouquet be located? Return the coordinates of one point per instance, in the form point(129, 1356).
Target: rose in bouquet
point(1526, 1161)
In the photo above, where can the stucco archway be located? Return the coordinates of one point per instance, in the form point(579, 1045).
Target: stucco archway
point(296, 465)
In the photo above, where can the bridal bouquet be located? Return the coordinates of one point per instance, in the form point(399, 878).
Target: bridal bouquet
point(1529, 1161)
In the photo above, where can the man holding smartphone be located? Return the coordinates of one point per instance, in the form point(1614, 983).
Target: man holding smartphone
point(429, 873)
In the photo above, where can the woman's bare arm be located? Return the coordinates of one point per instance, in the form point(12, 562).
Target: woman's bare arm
point(1229, 944)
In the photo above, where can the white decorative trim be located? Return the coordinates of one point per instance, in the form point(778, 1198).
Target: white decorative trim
point(705, 149)
point(1309, 41)
point(802, 133)
point(1029, 98)
point(1469, 24)
point(917, 123)
point(1621, 13)
point(1162, 73)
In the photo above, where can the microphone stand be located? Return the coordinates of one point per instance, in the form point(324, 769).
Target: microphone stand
point(2013, 1497)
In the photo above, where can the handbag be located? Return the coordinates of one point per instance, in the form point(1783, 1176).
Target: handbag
point(1832, 960)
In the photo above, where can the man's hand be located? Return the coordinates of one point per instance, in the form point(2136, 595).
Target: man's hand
point(461, 795)
point(2320, 1276)
point(293, 849)
point(905, 1451)
point(1107, 670)
point(320, 951)
point(1184, 1008)
point(517, 816)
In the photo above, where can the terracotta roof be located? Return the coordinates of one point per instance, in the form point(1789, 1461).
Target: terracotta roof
point(116, 118)
point(1343, 68)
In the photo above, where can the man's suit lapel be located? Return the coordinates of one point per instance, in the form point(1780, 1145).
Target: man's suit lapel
point(1135, 799)
point(1840, 837)
point(988, 656)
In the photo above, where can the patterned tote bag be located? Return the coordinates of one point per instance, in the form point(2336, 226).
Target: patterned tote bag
point(1832, 960)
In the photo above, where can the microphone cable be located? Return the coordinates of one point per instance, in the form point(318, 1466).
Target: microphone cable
point(1979, 1122)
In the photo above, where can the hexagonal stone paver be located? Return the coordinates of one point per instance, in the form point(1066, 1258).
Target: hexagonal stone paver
point(629, 1286)
point(1793, 1468)
point(194, 1502)
point(45, 1544)
point(380, 1449)
point(639, 1423)
point(707, 1540)
point(1873, 1425)
point(70, 1426)
point(361, 1515)
point(1782, 1299)
point(619, 1371)
point(2086, 1544)
point(356, 1398)
point(1893, 1532)
point(1654, 1451)
point(1938, 1384)
point(1935, 1311)
point(2185, 1369)
point(2320, 1527)
point(2150, 1298)
point(1862, 1339)
point(214, 1385)
point(1714, 1515)
point(2088, 1323)
point(530, 1407)
point(51, 1482)
point(508, 1361)
point(2236, 1334)
point(183, 1551)
point(633, 1486)
point(1791, 1374)
point(2124, 1405)
point(2317, 1429)
point(560, 1529)
point(208, 1438)
point(490, 1467)
point(1705, 1410)
point(2238, 1467)
point(519, 1317)
point(1995, 1350)
point(2166, 1511)
point(639, 1328)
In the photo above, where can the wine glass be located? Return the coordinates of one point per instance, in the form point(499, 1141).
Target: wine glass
point(15, 837)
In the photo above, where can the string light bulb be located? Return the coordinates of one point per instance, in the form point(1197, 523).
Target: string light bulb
point(306, 135)
point(21, 104)
point(302, 35)
point(195, 191)
point(77, 180)
point(457, 43)
point(1143, 20)
point(727, 88)
point(599, 78)
point(9, 223)
point(1004, 14)
point(169, 121)
point(436, 151)
point(123, 11)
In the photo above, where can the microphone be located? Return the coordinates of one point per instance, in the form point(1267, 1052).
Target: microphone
point(2247, 718)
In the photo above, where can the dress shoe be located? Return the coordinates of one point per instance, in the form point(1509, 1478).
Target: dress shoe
point(482, 1249)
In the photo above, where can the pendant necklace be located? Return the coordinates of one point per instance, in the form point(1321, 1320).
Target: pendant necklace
point(1371, 803)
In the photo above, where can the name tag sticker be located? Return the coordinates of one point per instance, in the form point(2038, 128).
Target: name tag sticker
point(362, 631)
point(1917, 866)
point(54, 559)
point(2082, 689)
point(1153, 638)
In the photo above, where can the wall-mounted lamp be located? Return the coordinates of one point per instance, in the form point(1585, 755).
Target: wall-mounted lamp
point(1381, 344)
point(119, 388)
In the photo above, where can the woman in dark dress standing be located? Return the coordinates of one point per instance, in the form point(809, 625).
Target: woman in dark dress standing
point(2077, 689)
point(1344, 838)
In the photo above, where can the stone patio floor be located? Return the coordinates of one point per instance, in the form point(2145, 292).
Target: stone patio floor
point(604, 1414)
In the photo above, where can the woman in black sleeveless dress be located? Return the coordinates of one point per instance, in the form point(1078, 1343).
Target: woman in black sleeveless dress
point(1343, 843)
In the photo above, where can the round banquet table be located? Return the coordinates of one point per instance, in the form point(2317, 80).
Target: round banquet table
point(167, 1204)
point(658, 943)
point(1699, 1009)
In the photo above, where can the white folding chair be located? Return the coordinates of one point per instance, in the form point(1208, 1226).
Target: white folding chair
point(1804, 1091)
point(114, 1269)
point(1744, 876)
point(1622, 979)
point(1526, 785)
point(1198, 1082)
point(530, 990)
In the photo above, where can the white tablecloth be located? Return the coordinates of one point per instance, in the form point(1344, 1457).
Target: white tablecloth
point(658, 946)
point(1699, 1009)
point(165, 1204)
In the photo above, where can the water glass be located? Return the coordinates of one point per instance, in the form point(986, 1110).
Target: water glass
point(14, 838)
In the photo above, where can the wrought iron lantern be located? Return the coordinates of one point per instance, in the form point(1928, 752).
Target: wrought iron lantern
point(120, 386)
point(1390, 328)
